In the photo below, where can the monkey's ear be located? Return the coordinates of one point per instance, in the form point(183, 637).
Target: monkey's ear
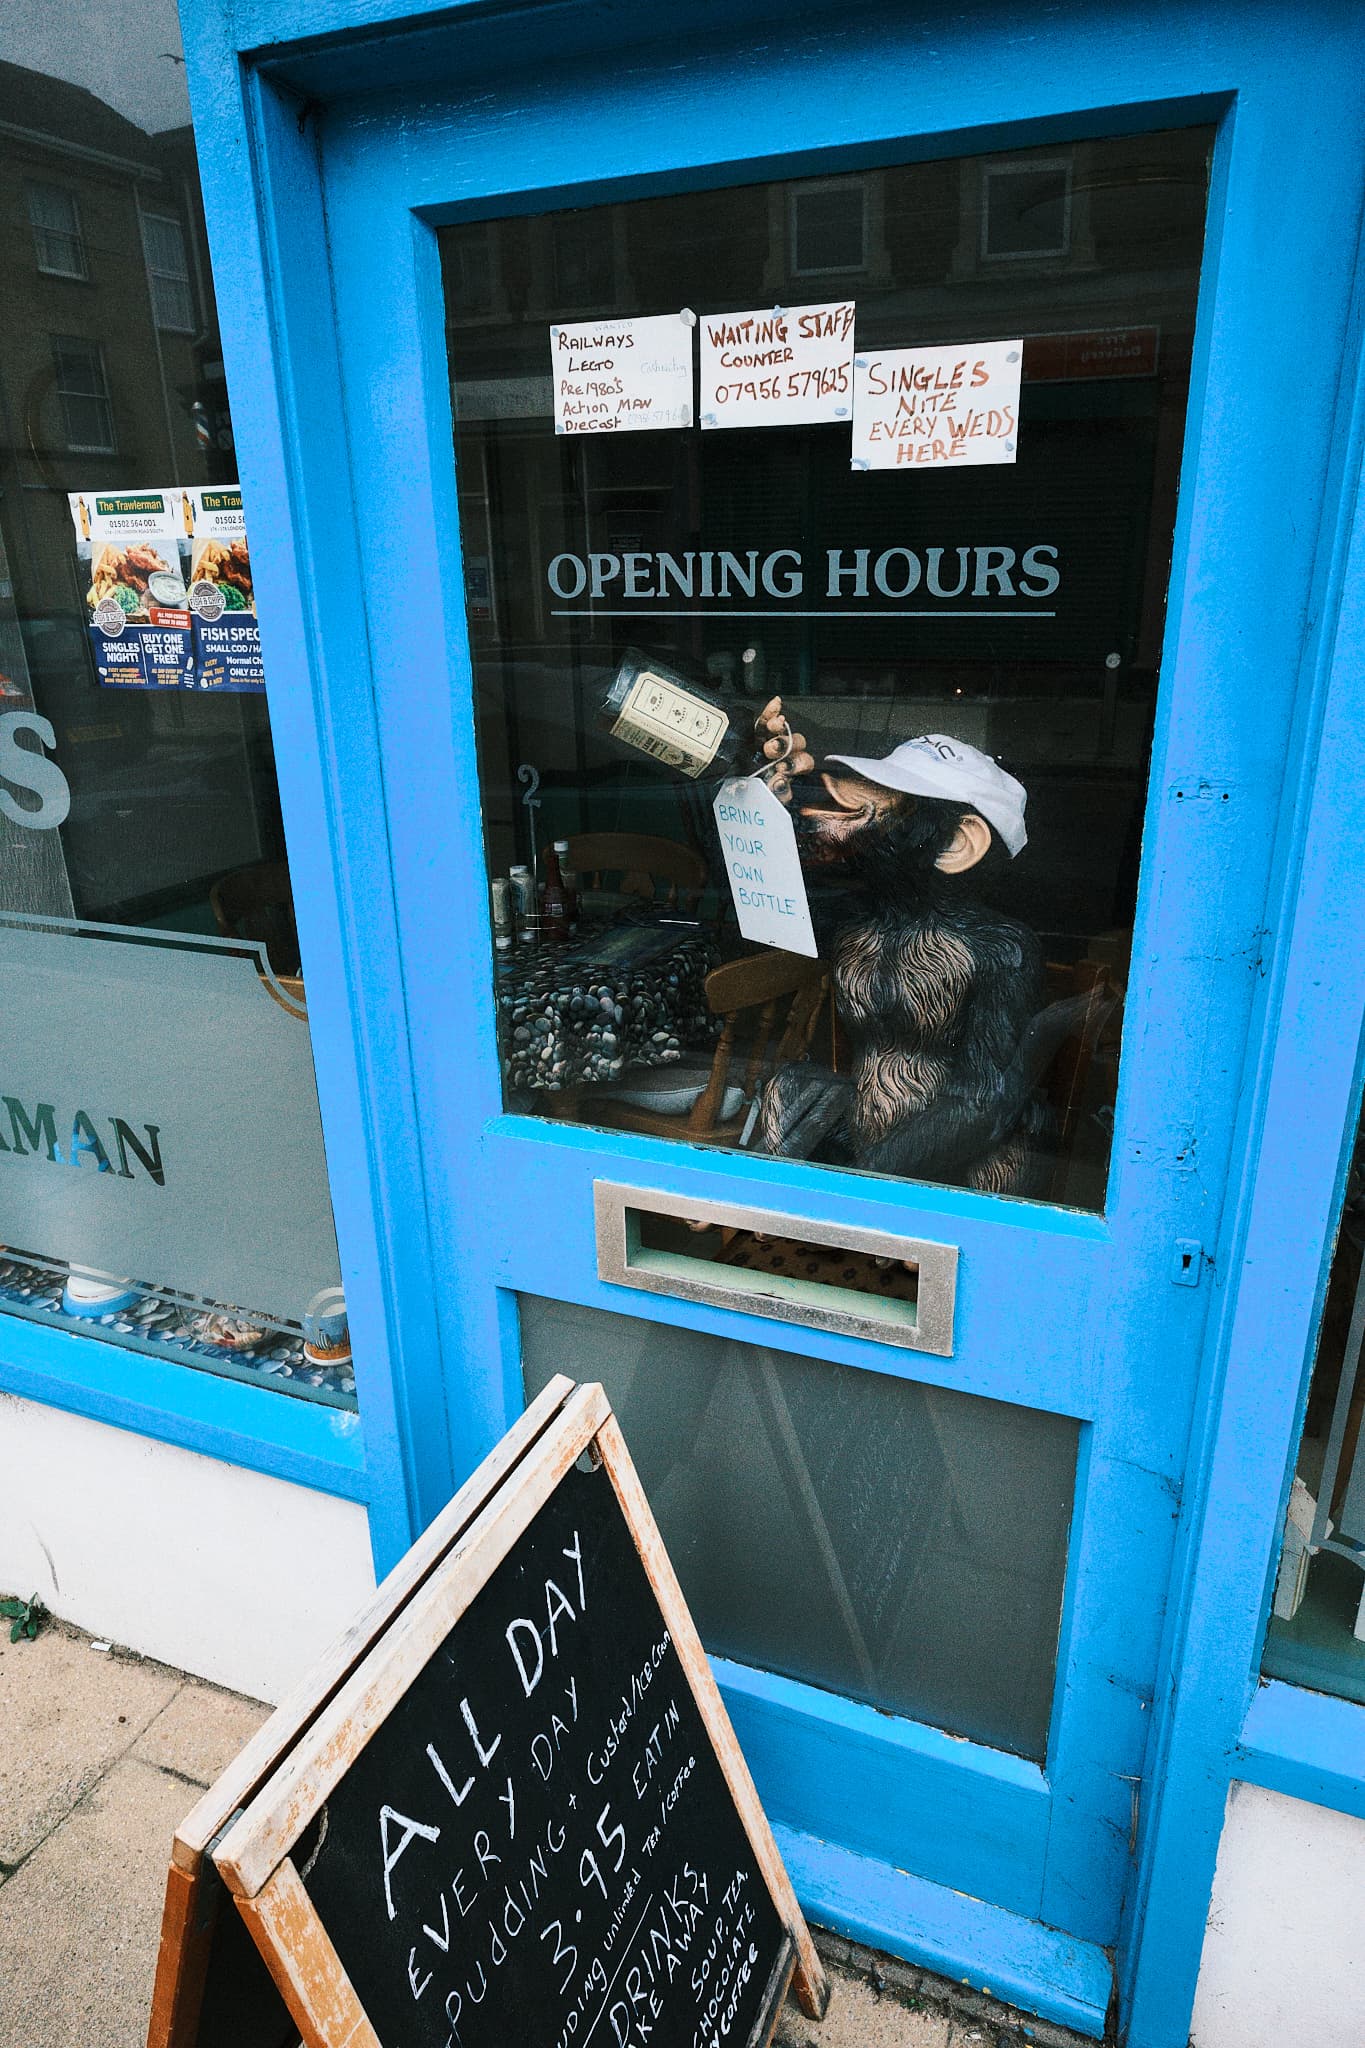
point(970, 843)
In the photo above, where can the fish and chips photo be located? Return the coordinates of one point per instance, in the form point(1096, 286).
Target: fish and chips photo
point(136, 577)
point(228, 565)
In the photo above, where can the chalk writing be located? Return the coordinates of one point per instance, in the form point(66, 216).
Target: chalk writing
point(538, 1844)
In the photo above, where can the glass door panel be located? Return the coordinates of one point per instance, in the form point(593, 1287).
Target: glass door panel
point(902, 1544)
point(960, 650)
point(1316, 1632)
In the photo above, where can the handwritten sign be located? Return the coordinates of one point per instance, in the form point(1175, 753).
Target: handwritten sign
point(523, 1816)
point(758, 842)
point(212, 1987)
point(786, 366)
point(623, 376)
point(929, 408)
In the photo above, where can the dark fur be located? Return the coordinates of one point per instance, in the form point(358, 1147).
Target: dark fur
point(935, 993)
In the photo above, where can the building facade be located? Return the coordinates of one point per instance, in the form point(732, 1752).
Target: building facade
point(795, 855)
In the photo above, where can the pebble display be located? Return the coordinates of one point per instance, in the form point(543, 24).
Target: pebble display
point(159, 1324)
point(567, 1015)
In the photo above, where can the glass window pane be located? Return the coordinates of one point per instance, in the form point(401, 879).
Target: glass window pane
point(903, 1544)
point(83, 393)
point(165, 244)
point(79, 370)
point(163, 1185)
point(471, 279)
point(56, 231)
point(827, 227)
point(1027, 210)
point(969, 649)
point(584, 261)
point(168, 273)
point(172, 305)
point(88, 424)
point(1316, 1635)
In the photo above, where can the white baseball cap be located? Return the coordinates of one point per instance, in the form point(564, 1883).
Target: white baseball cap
point(934, 765)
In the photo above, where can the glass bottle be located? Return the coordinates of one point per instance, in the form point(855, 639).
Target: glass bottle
point(504, 909)
point(569, 877)
point(504, 921)
point(554, 908)
point(653, 708)
point(523, 903)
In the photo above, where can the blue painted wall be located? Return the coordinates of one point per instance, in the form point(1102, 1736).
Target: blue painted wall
point(332, 135)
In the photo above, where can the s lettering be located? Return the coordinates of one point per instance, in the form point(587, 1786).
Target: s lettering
point(1039, 563)
point(24, 767)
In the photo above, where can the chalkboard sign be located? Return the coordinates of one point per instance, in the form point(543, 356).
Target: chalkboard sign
point(524, 1816)
point(212, 1988)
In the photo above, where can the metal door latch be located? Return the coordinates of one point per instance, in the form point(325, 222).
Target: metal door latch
point(1187, 1262)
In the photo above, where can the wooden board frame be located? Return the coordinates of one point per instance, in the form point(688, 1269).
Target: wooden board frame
point(307, 1969)
point(254, 1854)
point(194, 1890)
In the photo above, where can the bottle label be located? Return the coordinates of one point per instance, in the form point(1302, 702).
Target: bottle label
point(668, 722)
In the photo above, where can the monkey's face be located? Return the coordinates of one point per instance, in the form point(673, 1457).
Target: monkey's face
point(893, 841)
point(831, 831)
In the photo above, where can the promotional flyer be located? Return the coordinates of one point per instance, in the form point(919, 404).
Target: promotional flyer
point(168, 589)
point(227, 641)
point(136, 547)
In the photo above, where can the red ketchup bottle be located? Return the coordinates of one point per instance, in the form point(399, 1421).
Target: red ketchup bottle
point(554, 902)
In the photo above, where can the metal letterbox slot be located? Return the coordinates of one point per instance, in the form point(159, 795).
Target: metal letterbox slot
point(623, 1260)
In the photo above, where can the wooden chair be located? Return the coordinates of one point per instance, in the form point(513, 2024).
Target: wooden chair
point(769, 1004)
point(1088, 990)
point(1082, 1018)
point(641, 863)
point(257, 903)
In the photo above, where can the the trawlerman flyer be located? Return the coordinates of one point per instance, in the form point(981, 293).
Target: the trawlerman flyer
point(133, 552)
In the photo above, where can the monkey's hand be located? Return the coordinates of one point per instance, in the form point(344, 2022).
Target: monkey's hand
point(805, 1106)
point(782, 745)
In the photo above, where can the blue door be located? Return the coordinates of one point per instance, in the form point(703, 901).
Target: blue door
point(902, 1306)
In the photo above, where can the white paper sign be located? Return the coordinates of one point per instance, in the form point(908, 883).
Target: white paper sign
point(928, 408)
point(758, 841)
point(783, 366)
point(619, 376)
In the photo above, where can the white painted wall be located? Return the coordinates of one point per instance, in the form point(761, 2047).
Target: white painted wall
point(238, 1578)
point(1284, 1951)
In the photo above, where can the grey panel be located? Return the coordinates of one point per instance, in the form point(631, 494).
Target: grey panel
point(899, 1543)
point(206, 1065)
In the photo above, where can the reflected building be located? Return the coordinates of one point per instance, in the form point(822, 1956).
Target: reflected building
point(111, 378)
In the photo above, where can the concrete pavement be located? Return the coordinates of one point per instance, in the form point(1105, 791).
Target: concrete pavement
point(103, 1752)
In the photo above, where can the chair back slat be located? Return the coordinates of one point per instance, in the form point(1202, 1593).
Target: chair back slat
point(787, 993)
point(638, 858)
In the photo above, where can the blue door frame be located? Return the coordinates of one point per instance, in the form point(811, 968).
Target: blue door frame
point(331, 144)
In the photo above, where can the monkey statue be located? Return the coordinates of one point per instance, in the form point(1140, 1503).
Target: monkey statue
point(934, 992)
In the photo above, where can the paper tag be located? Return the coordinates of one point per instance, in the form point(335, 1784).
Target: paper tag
point(758, 841)
point(677, 728)
point(933, 408)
